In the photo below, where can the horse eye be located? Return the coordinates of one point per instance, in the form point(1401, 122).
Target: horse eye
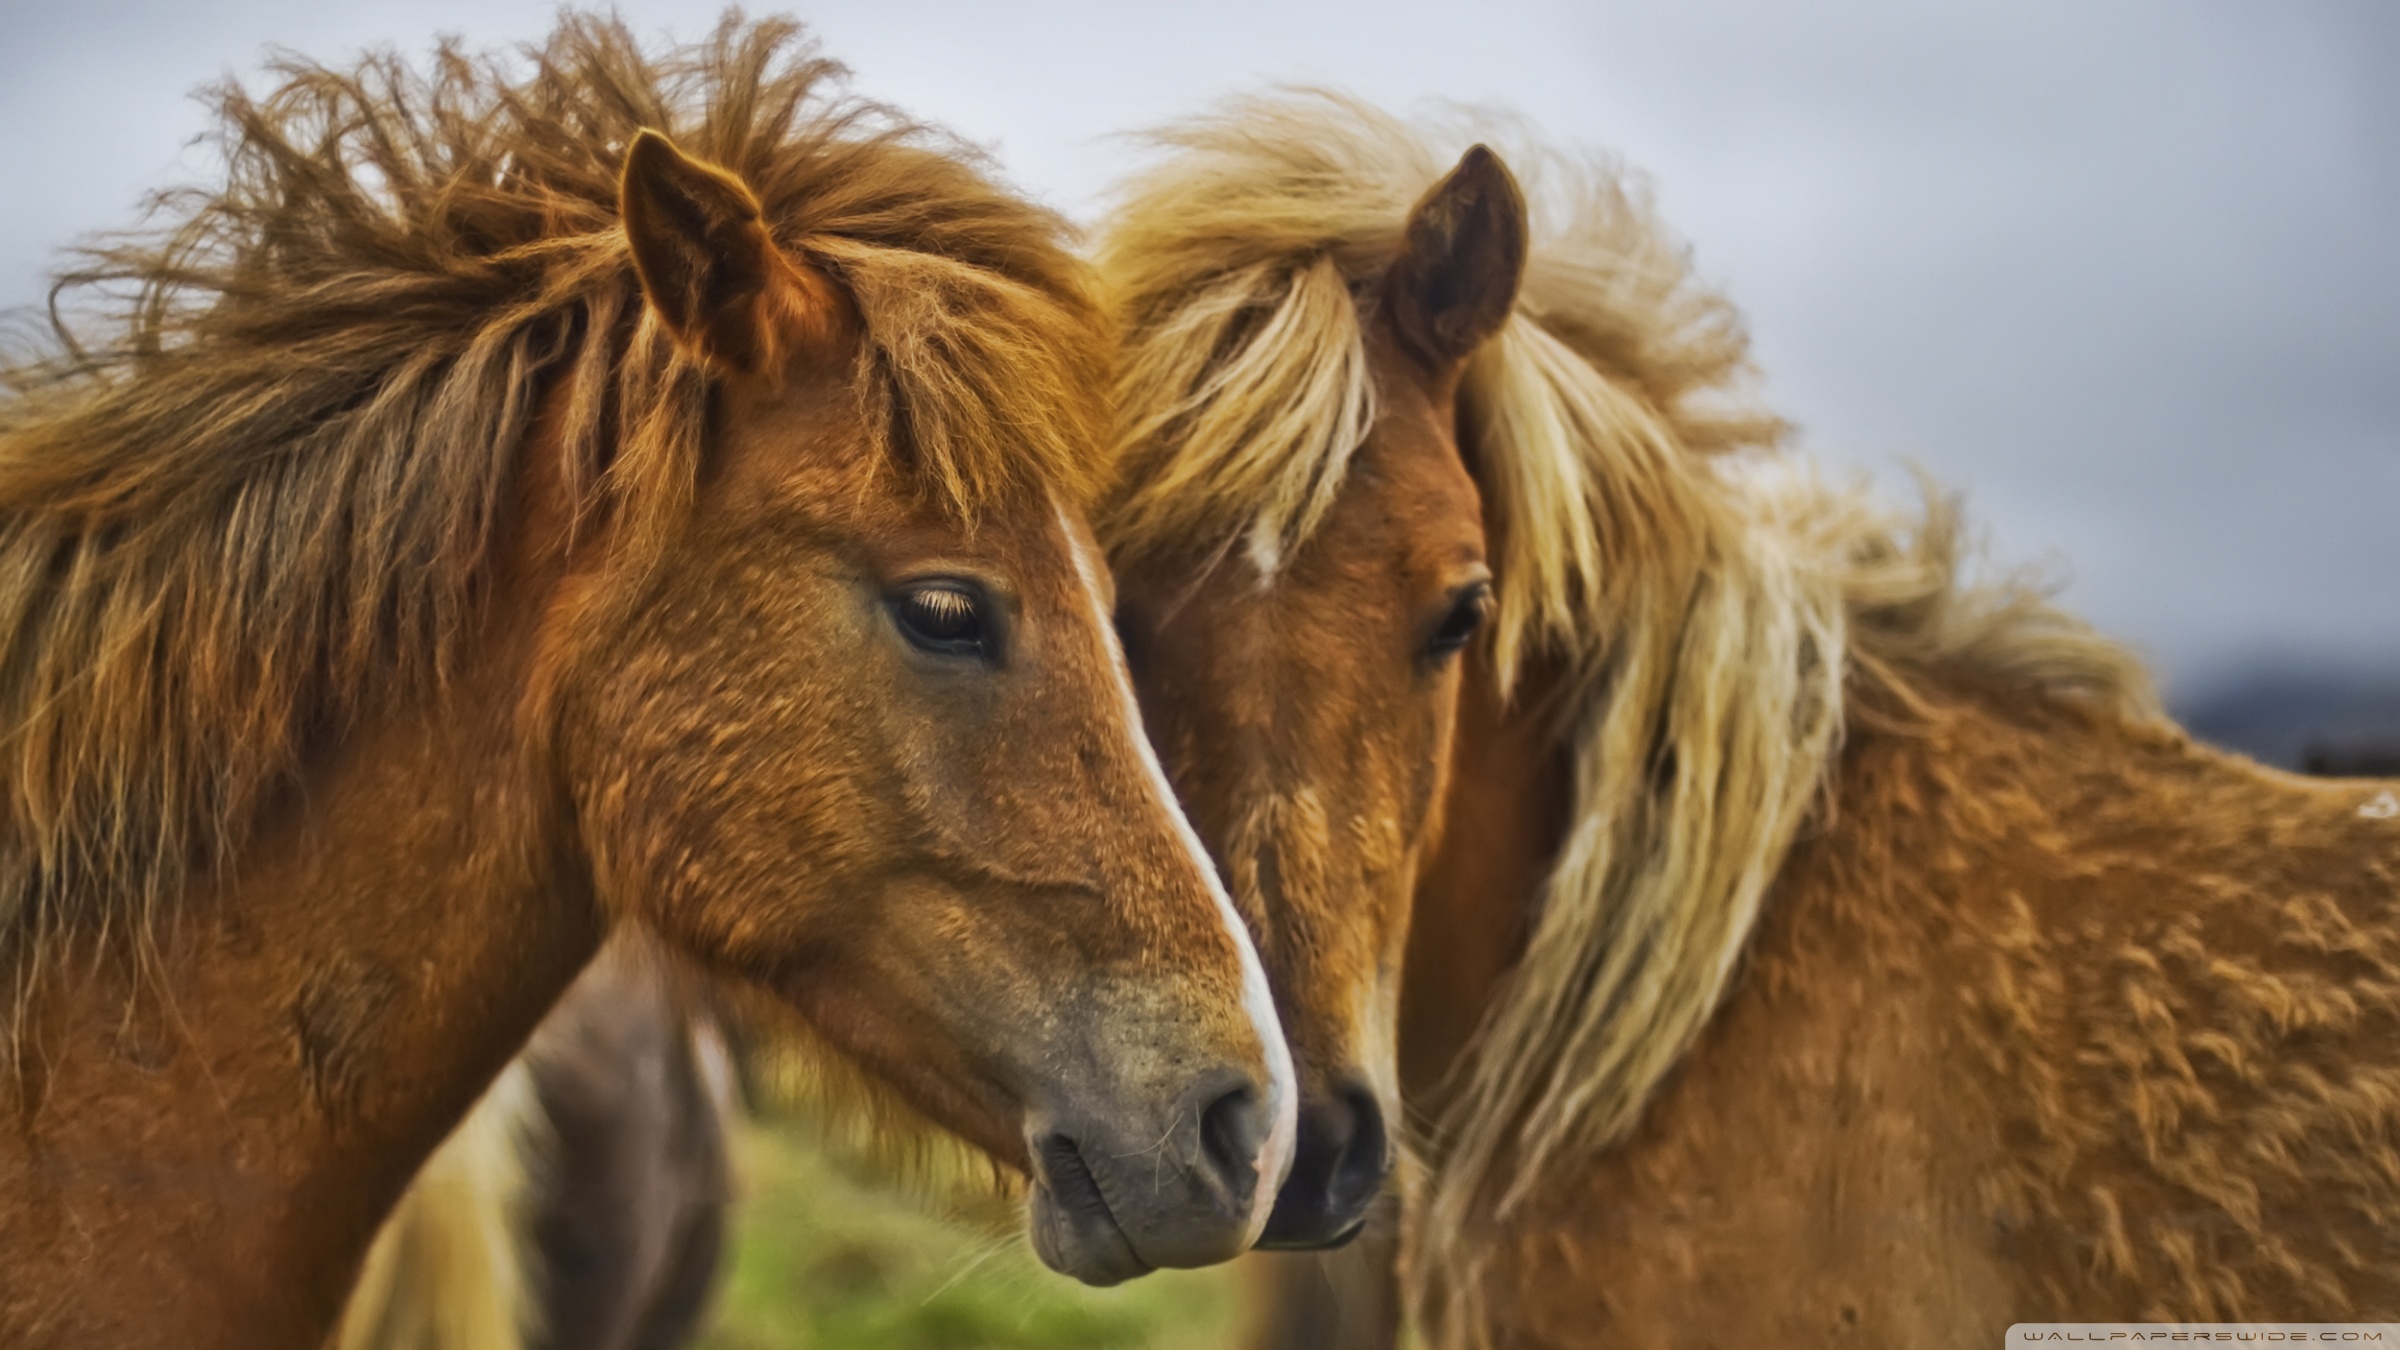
point(944, 618)
point(1460, 624)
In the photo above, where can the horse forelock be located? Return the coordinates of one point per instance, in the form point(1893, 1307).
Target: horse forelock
point(1715, 610)
point(253, 484)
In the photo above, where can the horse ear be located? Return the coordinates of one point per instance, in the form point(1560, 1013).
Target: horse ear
point(701, 249)
point(1461, 261)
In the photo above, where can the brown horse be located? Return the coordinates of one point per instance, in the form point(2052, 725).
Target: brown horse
point(1807, 946)
point(481, 525)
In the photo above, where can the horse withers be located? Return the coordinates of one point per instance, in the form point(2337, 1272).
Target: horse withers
point(488, 524)
point(1801, 944)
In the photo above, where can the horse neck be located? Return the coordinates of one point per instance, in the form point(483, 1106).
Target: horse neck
point(207, 1134)
point(1504, 813)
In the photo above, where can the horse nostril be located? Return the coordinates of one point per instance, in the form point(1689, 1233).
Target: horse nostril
point(1365, 1156)
point(1344, 1153)
point(1233, 1129)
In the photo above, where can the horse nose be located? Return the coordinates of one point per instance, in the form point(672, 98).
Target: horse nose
point(1212, 1222)
point(1233, 1136)
point(1116, 1197)
point(1344, 1154)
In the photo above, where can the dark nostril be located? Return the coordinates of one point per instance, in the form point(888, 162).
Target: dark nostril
point(1358, 1170)
point(1233, 1129)
point(1344, 1154)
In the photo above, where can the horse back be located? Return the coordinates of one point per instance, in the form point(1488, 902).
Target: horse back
point(2180, 990)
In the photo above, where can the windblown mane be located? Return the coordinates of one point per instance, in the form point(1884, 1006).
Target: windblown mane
point(253, 487)
point(1715, 610)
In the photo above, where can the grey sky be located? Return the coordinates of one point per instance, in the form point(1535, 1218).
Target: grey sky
point(2127, 273)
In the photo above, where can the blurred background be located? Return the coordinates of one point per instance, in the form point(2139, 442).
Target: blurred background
point(2127, 275)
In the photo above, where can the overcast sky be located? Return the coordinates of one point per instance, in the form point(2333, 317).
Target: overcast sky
point(2127, 273)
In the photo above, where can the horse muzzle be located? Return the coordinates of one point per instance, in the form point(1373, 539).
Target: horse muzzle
point(1116, 1197)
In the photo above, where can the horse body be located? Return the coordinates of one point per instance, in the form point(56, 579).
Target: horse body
point(1807, 945)
point(2055, 1019)
point(491, 527)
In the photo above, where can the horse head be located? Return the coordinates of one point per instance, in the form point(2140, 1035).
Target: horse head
point(853, 725)
point(1298, 651)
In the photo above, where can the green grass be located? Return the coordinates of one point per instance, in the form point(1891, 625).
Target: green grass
point(830, 1254)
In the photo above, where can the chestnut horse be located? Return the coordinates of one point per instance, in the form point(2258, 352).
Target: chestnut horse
point(478, 525)
point(1802, 945)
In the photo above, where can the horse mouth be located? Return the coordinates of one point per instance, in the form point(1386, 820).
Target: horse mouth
point(1074, 1230)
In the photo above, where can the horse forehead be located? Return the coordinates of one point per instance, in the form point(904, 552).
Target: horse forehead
point(1413, 478)
point(1405, 526)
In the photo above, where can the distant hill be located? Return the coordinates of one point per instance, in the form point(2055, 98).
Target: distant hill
point(2342, 724)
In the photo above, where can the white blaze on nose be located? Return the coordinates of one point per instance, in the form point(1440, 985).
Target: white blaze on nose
point(1274, 1160)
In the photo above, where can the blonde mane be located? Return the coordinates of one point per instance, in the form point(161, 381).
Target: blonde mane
point(253, 488)
point(1715, 611)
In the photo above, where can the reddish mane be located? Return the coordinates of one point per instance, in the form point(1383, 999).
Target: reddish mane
point(254, 488)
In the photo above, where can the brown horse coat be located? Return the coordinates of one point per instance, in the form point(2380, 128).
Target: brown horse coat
point(1813, 945)
point(2054, 1019)
point(476, 525)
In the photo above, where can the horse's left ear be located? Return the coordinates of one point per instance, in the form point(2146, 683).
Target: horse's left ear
point(701, 248)
point(1462, 259)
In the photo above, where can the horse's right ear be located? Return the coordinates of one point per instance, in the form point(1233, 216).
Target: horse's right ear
point(1461, 261)
point(701, 248)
